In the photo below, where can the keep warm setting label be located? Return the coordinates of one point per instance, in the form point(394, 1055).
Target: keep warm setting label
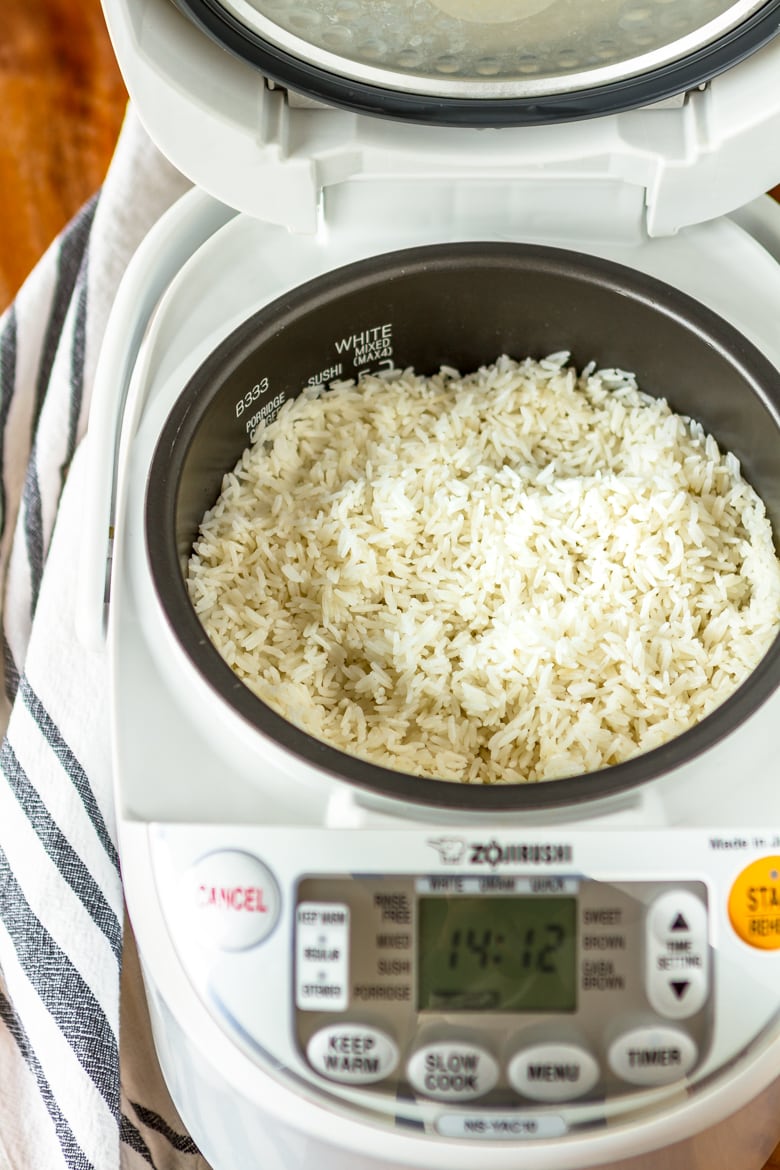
point(754, 904)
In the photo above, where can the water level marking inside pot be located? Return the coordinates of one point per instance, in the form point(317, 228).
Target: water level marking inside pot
point(368, 345)
point(266, 414)
point(324, 377)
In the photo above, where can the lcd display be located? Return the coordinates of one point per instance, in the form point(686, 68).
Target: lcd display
point(497, 954)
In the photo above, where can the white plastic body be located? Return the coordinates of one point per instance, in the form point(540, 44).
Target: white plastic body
point(198, 776)
point(648, 171)
point(251, 1101)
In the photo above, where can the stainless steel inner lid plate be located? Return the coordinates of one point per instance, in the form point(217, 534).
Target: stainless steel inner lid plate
point(490, 49)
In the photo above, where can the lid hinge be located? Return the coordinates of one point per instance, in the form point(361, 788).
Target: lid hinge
point(725, 151)
point(318, 165)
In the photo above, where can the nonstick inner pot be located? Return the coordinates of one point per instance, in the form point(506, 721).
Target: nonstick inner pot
point(458, 305)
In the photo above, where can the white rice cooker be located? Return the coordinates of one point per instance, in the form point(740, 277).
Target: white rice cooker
point(349, 968)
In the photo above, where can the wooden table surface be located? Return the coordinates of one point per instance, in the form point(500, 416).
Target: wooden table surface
point(61, 105)
point(62, 102)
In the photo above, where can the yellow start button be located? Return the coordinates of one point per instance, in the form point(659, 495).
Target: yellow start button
point(754, 904)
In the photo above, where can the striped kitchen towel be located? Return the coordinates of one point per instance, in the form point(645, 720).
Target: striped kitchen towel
point(79, 1084)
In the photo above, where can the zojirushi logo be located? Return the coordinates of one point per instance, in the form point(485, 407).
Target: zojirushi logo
point(454, 851)
point(493, 853)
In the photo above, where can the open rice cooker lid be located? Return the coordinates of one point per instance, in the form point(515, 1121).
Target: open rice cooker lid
point(269, 105)
point(489, 62)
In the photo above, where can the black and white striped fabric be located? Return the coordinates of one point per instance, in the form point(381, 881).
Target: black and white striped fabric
point(79, 1084)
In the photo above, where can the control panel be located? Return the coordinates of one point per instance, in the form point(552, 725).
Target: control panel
point(520, 987)
point(459, 988)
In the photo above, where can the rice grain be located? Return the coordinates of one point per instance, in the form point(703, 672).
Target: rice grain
point(512, 576)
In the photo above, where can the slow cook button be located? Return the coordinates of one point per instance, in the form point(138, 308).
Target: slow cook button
point(652, 1056)
point(351, 1054)
point(553, 1072)
point(452, 1072)
point(507, 1126)
point(232, 898)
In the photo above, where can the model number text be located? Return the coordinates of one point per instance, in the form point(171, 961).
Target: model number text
point(251, 397)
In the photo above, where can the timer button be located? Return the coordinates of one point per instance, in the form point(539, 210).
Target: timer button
point(553, 1072)
point(652, 1056)
point(232, 898)
point(352, 1054)
point(452, 1072)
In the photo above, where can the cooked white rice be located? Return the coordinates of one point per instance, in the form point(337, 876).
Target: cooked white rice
point(512, 576)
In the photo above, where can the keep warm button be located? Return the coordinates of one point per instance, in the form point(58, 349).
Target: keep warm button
point(232, 899)
point(351, 1054)
point(452, 1072)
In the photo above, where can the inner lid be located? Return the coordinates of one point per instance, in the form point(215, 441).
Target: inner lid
point(489, 48)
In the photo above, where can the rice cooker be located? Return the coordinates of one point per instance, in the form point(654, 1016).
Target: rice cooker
point(346, 966)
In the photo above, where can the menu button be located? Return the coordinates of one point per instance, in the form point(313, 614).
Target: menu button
point(553, 1072)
